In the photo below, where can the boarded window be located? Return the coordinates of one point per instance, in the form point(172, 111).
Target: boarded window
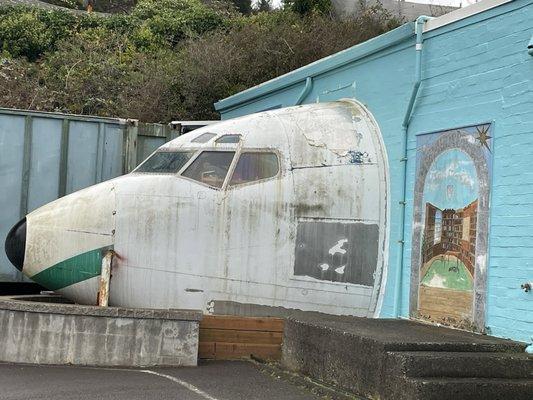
point(344, 252)
point(229, 139)
point(203, 138)
point(165, 162)
point(211, 167)
point(254, 167)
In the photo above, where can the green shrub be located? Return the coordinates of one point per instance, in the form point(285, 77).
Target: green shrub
point(168, 59)
point(114, 6)
point(98, 72)
point(263, 47)
point(21, 85)
point(29, 32)
point(104, 6)
point(306, 7)
point(24, 35)
point(174, 20)
point(88, 72)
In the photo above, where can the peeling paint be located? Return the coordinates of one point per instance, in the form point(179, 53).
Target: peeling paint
point(358, 157)
point(338, 247)
point(340, 270)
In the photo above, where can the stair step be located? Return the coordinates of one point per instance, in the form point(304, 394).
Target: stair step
point(466, 389)
point(462, 364)
point(458, 346)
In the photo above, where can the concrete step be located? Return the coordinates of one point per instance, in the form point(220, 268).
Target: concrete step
point(465, 389)
point(394, 359)
point(461, 365)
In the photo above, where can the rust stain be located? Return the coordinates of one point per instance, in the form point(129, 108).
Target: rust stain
point(105, 278)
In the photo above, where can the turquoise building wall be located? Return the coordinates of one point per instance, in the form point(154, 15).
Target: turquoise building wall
point(475, 70)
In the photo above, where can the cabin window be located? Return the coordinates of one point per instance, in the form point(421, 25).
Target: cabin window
point(255, 167)
point(210, 167)
point(165, 162)
point(203, 138)
point(229, 139)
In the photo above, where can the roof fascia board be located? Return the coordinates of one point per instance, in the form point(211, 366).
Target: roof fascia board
point(462, 13)
point(319, 67)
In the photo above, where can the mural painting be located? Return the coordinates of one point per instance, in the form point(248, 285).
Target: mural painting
point(451, 227)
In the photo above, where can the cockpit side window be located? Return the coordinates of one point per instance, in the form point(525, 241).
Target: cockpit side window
point(229, 139)
point(255, 166)
point(203, 138)
point(210, 167)
point(165, 162)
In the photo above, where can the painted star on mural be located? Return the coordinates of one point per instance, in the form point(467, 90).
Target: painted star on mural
point(483, 136)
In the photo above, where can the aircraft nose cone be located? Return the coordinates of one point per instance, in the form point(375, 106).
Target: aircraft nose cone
point(16, 244)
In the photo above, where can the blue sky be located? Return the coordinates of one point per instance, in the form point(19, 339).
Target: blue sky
point(451, 181)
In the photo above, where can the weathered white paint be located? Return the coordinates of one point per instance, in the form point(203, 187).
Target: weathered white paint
point(71, 225)
point(183, 244)
point(83, 292)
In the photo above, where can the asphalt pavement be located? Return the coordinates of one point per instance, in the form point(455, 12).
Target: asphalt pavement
point(217, 380)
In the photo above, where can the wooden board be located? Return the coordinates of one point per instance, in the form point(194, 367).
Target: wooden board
point(242, 323)
point(235, 351)
point(206, 350)
point(445, 306)
point(239, 336)
point(230, 338)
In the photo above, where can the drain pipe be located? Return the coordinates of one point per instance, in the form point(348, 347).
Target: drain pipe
point(419, 29)
point(305, 91)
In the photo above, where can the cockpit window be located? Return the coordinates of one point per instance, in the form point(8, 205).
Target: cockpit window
point(210, 167)
point(203, 138)
point(254, 167)
point(165, 162)
point(229, 139)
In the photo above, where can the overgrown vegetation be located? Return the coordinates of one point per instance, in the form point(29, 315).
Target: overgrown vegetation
point(165, 59)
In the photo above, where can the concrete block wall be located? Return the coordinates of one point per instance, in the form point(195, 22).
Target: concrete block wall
point(52, 333)
point(475, 70)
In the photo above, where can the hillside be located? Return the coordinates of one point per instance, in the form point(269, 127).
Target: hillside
point(165, 59)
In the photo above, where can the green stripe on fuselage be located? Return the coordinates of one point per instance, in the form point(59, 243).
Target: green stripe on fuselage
point(72, 270)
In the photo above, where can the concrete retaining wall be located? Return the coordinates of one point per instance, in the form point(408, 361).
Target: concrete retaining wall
point(48, 333)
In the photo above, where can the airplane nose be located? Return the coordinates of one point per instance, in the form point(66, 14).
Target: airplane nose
point(16, 244)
